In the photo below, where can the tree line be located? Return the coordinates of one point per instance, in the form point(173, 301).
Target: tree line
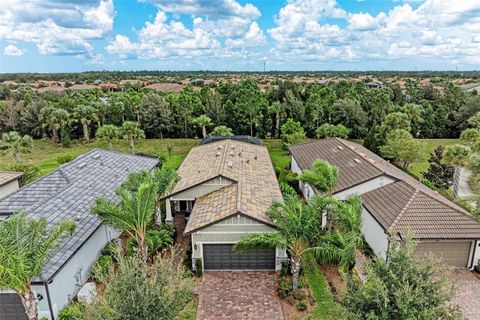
point(425, 112)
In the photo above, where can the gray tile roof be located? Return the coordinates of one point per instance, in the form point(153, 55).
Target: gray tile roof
point(69, 193)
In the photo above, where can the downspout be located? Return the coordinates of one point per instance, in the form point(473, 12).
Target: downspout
point(388, 246)
point(49, 300)
point(475, 245)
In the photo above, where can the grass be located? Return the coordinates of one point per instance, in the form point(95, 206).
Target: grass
point(279, 155)
point(47, 155)
point(430, 145)
point(326, 306)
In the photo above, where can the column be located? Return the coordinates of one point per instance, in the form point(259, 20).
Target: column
point(168, 207)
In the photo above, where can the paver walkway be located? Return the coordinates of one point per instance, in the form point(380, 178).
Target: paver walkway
point(238, 296)
point(463, 187)
point(468, 287)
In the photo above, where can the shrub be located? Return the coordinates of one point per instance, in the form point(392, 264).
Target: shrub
point(73, 311)
point(285, 268)
point(111, 249)
point(292, 132)
point(102, 269)
point(65, 139)
point(30, 172)
point(287, 189)
point(302, 305)
point(64, 158)
point(157, 240)
point(198, 267)
point(284, 287)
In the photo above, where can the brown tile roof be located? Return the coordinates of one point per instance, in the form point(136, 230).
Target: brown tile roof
point(9, 176)
point(405, 203)
point(353, 169)
point(400, 206)
point(254, 188)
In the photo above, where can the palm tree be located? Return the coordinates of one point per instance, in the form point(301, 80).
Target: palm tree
point(133, 214)
point(203, 121)
point(25, 246)
point(85, 114)
point(322, 176)
point(55, 119)
point(162, 180)
point(339, 246)
point(108, 132)
point(278, 109)
point(131, 131)
point(16, 143)
point(297, 224)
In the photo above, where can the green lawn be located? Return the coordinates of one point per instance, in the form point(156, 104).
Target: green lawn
point(326, 307)
point(430, 144)
point(279, 155)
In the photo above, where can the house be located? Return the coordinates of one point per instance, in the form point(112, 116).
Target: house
point(9, 182)
point(393, 201)
point(69, 193)
point(470, 87)
point(226, 188)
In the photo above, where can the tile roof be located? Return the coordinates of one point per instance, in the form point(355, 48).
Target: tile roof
point(247, 165)
point(352, 168)
point(405, 203)
point(69, 193)
point(400, 206)
point(9, 176)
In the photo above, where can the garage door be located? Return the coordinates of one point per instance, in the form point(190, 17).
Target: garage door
point(11, 307)
point(222, 257)
point(453, 253)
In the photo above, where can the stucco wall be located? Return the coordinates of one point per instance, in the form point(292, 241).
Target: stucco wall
point(8, 188)
point(374, 234)
point(364, 187)
point(68, 281)
point(231, 231)
point(202, 189)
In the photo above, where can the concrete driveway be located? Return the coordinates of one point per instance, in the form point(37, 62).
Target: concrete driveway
point(238, 295)
point(468, 287)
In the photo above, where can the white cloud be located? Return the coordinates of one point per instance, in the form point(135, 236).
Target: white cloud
point(57, 27)
point(12, 50)
point(435, 29)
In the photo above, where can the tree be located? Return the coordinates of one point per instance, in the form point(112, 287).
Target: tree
point(402, 148)
point(131, 132)
point(349, 113)
point(12, 141)
point(250, 102)
point(328, 130)
point(162, 181)
point(296, 224)
point(278, 109)
point(474, 121)
point(221, 131)
point(141, 292)
point(323, 176)
point(439, 173)
point(55, 119)
point(25, 246)
point(203, 121)
point(133, 214)
point(157, 116)
point(108, 132)
point(314, 103)
point(292, 132)
point(456, 155)
point(470, 136)
point(340, 246)
point(405, 287)
point(85, 114)
point(188, 101)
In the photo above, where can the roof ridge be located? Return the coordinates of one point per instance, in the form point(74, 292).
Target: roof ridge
point(405, 208)
point(373, 164)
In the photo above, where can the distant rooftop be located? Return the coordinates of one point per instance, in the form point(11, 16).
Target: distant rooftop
point(9, 176)
point(69, 193)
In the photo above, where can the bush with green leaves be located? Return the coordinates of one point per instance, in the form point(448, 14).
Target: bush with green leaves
point(328, 130)
point(302, 305)
point(65, 139)
point(284, 287)
point(156, 240)
point(439, 174)
point(73, 311)
point(142, 292)
point(407, 287)
point(102, 269)
point(287, 189)
point(64, 158)
point(30, 172)
point(221, 131)
point(198, 267)
point(292, 132)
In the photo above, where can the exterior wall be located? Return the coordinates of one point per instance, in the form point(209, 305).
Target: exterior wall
point(231, 231)
point(364, 187)
point(202, 189)
point(68, 281)
point(8, 188)
point(374, 234)
point(305, 188)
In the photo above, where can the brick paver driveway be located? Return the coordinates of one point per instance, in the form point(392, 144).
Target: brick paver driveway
point(238, 295)
point(468, 287)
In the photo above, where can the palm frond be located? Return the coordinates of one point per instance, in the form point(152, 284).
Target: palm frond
point(261, 241)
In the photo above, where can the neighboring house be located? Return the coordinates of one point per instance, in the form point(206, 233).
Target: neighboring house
point(9, 182)
point(227, 186)
point(470, 87)
point(69, 193)
point(393, 201)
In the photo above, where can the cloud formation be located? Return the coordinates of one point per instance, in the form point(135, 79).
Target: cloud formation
point(12, 50)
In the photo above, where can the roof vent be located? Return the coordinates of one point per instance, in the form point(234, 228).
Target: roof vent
point(220, 148)
point(239, 154)
point(371, 160)
point(340, 147)
point(77, 218)
point(97, 156)
point(357, 160)
point(81, 165)
point(256, 157)
point(232, 147)
point(231, 153)
point(230, 165)
point(218, 154)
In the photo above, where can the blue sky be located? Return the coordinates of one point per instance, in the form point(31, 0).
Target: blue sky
point(80, 35)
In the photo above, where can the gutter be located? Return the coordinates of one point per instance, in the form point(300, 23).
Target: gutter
point(49, 300)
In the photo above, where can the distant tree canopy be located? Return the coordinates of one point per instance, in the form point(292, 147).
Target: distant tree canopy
point(441, 110)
